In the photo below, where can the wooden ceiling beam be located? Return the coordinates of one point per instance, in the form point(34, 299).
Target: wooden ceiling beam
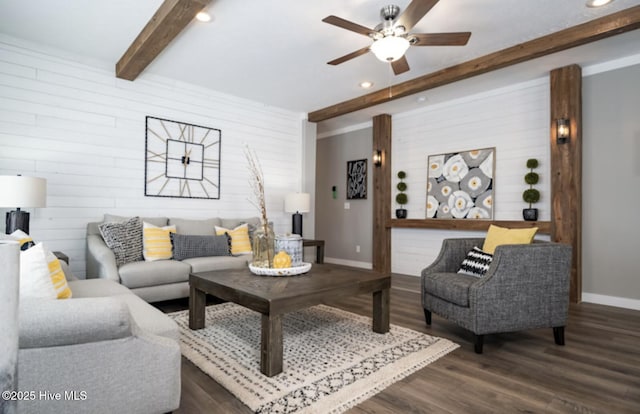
point(169, 20)
point(607, 26)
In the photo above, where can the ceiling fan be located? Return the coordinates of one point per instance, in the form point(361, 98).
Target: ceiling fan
point(392, 37)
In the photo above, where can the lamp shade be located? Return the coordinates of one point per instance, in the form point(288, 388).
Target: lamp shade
point(297, 203)
point(19, 191)
point(390, 48)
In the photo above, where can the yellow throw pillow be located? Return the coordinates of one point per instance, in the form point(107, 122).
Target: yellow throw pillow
point(240, 242)
point(35, 278)
point(63, 291)
point(156, 242)
point(497, 236)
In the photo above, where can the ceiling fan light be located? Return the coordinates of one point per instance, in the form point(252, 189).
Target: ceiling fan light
point(598, 3)
point(390, 48)
point(203, 16)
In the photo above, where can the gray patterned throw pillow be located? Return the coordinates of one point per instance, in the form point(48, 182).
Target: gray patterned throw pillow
point(187, 246)
point(124, 239)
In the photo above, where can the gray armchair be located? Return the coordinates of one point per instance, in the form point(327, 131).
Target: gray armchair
point(525, 287)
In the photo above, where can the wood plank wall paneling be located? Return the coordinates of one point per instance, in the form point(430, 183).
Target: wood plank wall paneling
point(382, 194)
point(514, 119)
point(566, 168)
point(83, 130)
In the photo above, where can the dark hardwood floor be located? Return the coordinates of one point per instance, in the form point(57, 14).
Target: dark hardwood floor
point(597, 371)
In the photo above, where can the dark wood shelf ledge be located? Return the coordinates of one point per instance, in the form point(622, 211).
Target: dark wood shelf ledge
point(544, 227)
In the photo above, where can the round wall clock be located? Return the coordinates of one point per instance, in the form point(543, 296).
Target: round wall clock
point(182, 160)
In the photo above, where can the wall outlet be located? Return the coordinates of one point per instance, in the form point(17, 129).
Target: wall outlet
point(347, 206)
point(357, 248)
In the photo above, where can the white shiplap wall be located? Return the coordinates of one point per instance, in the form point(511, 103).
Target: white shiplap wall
point(84, 131)
point(514, 120)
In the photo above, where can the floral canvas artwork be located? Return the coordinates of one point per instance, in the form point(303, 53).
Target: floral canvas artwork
point(460, 185)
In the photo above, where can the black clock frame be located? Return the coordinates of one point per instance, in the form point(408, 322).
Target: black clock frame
point(182, 159)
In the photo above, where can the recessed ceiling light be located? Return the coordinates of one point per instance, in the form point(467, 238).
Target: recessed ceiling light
point(203, 16)
point(597, 3)
point(366, 84)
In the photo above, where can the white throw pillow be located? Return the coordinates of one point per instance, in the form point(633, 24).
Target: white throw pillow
point(35, 278)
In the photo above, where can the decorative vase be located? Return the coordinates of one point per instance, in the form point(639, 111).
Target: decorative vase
point(263, 246)
point(401, 213)
point(530, 214)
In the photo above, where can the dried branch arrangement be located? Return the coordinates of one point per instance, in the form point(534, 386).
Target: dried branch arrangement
point(256, 182)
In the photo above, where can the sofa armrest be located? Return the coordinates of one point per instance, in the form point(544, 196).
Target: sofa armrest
point(526, 286)
point(101, 262)
point(47, 323)
point(539, 263)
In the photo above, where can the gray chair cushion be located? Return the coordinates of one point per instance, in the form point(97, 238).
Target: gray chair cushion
point(145, 316)
point(142, 274)
point(452, 287)
point(206, 264)
point(95, 288)
point(195, 227)
point(53, 323)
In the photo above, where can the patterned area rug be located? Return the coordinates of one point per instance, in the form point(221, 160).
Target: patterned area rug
point(332, 358)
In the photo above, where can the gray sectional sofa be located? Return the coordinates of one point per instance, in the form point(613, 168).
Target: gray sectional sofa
point(163, 279)
point(104, 351)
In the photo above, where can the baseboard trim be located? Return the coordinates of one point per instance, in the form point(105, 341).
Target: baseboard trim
point(352, 263)
point(616, 301)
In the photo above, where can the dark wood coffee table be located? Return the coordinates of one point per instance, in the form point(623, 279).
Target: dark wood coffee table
point(275, 296)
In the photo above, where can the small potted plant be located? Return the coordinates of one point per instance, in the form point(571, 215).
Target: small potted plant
point(531, 195)
point(401, 197)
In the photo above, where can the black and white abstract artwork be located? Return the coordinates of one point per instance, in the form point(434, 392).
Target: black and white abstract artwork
point(357, 180)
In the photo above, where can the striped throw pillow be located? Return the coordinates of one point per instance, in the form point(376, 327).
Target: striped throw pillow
point(156, 242)
point(476, 263)
point(41, 275)
point(240, 241)
point(58, 279)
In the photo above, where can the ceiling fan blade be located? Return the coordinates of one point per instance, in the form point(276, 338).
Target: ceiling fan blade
point(346, 24)
point(414, 12)
point(349, 56)
point(400, 66)
point(441, 39)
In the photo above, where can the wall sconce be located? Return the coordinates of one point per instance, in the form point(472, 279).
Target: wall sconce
point(562, 130)
point(377, 158)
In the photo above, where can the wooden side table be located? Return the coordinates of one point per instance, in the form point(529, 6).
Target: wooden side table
point(319, 244)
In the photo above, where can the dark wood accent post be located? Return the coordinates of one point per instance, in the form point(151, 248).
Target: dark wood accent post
point(382, 195)
point(566, 169)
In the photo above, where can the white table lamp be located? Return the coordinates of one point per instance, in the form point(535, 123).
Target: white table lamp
point(19, 191)
point(297, 203)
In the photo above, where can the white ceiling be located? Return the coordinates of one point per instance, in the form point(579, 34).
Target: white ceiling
point(275, 51)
